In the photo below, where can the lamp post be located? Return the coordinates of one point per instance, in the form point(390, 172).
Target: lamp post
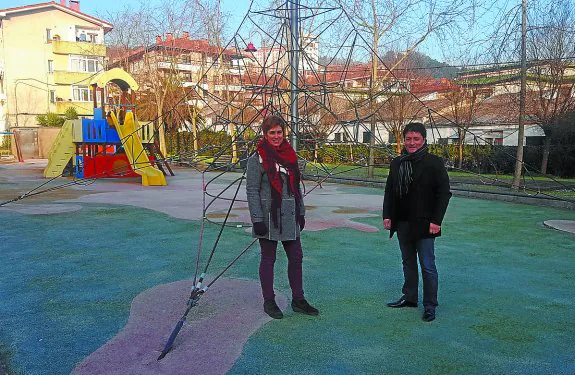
point(294, 60)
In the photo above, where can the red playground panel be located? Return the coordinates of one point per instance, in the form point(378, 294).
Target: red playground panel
point(106, 165)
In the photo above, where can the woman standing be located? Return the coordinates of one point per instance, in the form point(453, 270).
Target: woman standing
point(277, 212)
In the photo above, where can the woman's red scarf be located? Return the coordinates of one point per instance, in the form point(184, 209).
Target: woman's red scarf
point(285, 156)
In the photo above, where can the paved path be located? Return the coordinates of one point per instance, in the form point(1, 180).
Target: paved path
point(563, 225)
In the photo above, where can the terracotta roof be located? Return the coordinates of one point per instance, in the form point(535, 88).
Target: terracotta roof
point(106, 25)
point(175, 46)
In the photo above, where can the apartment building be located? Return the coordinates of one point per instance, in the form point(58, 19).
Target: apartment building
point(49, 52)
point(186, 64)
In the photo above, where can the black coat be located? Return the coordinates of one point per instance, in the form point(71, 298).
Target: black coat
point(428, 196)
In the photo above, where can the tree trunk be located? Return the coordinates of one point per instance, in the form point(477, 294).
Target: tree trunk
point(460, 163)
point(398, 136)
point(545, 159)
point(161, 131)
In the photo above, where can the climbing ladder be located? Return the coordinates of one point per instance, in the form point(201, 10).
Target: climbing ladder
point(62, 151)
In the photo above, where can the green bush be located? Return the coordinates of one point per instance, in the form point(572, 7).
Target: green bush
point(71, 113)
point(50, 119)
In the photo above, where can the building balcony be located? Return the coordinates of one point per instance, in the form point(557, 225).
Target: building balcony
point(203, 86)
point(229, 88)
point(69, 78)
point(78, 48)
point(179, 67)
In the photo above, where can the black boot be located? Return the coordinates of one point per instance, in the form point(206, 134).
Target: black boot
point(301, 306)
point(272, 309)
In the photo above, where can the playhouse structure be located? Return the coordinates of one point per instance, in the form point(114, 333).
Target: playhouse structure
point(113, 143)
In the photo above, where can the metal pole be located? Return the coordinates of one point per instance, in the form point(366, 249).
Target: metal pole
point(523, 74)
point(294, 61)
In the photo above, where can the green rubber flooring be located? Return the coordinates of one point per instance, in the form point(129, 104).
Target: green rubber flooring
point(507, 292)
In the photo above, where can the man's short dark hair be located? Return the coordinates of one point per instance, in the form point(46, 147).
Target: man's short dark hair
point(417, 127)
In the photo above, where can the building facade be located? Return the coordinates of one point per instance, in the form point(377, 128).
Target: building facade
point(49, 52)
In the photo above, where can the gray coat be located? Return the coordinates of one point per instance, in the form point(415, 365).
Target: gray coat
point(258, 191)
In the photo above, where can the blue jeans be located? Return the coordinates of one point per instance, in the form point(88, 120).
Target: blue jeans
point(411, 250)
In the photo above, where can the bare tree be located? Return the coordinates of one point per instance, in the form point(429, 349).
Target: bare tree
point(549, 51)
point(551, 48)
point(143, 43)
point(463, 104)
point(403, 25)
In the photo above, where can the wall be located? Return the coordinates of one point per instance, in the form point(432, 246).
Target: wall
point(46, 138)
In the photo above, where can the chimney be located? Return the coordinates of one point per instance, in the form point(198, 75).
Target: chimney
point(75, 5)
point(169, 37)
point(158, 39)
point(186, 35)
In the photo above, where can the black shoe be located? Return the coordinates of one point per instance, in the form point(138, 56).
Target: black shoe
point(428, 315)
point(272, 309)
point(402, 303)
point(301, 306)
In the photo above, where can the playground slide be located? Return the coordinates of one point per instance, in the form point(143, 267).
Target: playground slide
point(61, 152)
point(136, 153)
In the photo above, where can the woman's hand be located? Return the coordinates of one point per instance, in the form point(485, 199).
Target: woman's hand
point(301, 221)
point(260, 228)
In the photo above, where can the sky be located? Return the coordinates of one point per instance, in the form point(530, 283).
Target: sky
point(236, 10)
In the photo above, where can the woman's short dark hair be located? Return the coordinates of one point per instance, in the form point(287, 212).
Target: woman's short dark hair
point(417, 127)
point(271, 122)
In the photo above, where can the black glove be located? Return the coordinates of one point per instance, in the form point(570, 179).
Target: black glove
point(301, 221)
point(260, 228)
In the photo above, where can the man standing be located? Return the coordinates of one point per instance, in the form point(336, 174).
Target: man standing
point(416, 198)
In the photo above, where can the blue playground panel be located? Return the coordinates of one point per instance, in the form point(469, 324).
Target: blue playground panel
point(98, 130)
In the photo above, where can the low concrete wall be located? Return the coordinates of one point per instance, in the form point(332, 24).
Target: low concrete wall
point(37, 145)
point(46, 138)
point(535, 200)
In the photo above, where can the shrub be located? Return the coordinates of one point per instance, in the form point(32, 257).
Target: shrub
point(50, 119)
point(71, 113)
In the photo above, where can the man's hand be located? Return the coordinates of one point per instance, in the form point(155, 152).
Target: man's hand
point(387, 224)
point(434, 228)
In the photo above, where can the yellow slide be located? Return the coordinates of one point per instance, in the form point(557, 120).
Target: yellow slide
point(136, 153)
point(61, 151)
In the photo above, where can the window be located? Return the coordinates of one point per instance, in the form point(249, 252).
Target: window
point(81, 94)
point(48, 35)
point(337, 137)
point(52, 96)
point(85, 64)
point(93, 38)
point(366, 137)
point(50, 66)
